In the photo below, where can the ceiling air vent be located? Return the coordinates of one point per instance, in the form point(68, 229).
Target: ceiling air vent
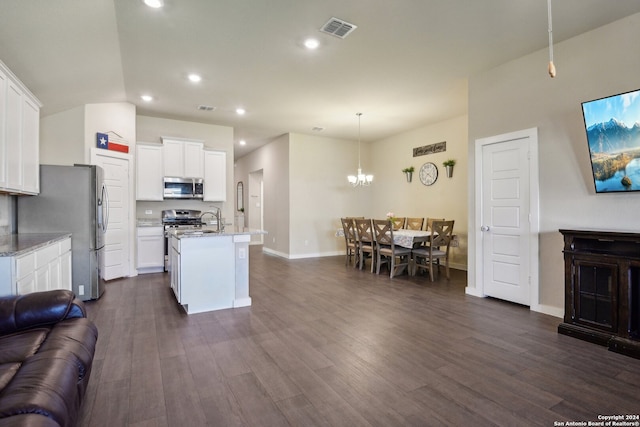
point(338, 27)
point(206, 108)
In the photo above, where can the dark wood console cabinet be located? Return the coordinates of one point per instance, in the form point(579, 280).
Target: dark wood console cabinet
point(602, 289)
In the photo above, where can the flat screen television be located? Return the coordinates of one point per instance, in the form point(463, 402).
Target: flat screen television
point(613, 135)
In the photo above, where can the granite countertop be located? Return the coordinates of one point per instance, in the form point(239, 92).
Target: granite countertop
point(17, 244)
point(211, 232)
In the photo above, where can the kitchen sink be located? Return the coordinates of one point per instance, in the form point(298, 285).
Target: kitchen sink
point(198, 232)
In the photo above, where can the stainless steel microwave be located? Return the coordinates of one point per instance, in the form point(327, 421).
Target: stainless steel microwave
point(183, 188)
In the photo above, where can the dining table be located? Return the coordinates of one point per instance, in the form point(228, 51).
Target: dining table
point(410, 238)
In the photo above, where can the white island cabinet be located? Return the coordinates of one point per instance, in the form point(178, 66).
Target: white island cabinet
point(210, 271)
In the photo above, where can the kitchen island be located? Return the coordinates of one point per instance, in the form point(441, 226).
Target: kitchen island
point(210, 270)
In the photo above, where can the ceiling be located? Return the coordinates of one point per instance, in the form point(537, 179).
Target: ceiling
point(406, 65)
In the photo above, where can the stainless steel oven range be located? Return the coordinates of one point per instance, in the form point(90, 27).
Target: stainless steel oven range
point(178, 219)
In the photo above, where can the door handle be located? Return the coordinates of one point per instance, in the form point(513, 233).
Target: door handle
point(484, 228)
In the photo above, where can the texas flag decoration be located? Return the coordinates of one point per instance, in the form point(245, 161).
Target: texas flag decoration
point(102, 141)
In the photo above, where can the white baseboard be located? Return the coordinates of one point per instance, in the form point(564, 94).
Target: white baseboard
point(539, 308)
point(276, 253)
point(548, 309)
point(317, 255)
point(473, 292)
point(242, 302)
point(147, 270)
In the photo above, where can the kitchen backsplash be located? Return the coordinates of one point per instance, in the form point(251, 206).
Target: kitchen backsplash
point(154, 209)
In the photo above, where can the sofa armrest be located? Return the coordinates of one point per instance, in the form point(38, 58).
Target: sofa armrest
point(20, 312)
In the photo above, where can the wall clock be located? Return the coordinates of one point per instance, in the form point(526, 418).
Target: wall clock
point(428, 173)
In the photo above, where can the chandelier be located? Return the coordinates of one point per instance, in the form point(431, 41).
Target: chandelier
point(361, 179)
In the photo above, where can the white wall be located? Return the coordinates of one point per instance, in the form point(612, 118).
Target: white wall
point(520, 95)
point(447, 198)
point(62, 137)
point(273, 160)
point(117, 117)
point(320, 194)
point(68, 137)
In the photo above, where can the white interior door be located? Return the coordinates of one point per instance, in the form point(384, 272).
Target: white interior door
point(115, 260)
point(508, 217)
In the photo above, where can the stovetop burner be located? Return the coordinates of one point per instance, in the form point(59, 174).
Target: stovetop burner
point(181, 216)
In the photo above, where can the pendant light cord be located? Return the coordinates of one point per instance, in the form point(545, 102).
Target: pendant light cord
point(359, 114)
point(552, 67)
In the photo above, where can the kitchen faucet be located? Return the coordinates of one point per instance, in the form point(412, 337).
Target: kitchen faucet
point(217, 215)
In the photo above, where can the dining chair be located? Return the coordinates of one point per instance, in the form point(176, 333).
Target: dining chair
point(430, 222)
point(386, 250)
point(426, 257)
point(429, 226)
point(414, 223)
point(398, 223)
point(366, 242)
point(350, 240)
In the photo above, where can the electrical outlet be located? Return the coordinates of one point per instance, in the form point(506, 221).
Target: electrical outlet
point(306, 243)
point(242, 254)
point(274, 240)
point(148, 212)
point(81, 289)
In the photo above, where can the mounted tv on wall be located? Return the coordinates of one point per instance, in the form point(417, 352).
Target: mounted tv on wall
point(613, 136)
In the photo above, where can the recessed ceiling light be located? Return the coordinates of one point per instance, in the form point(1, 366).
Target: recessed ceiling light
point(311, 44)
point(242, 142)
point(240, 111)
point(195, 78)
point(147, 98)
point(154, 3)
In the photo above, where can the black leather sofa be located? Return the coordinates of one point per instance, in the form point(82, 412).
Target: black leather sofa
point(46, 352)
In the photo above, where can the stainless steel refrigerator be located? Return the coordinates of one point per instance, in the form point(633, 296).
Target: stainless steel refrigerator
point(72, 199)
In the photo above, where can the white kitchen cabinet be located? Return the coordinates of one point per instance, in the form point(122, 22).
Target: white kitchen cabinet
point(45, 268)
point(183, 158)
point(150, 249)
point(30, 146)
point(149, 172)
point(19, 136)
point(215, 176)
point(3, 127)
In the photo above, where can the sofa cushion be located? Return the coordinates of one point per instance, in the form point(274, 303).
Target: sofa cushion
point(77, 336)
point(20, 312)
point(46, 385)
point(28, 420)
point(46, 352)
point(7, 372)
point(18, 346)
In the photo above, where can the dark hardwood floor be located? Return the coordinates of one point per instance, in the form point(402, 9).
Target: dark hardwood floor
point(328, 345)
